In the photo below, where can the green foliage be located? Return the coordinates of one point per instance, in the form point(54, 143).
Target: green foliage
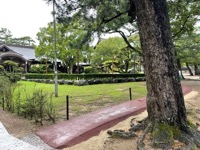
point(39, 76)
point(7, 37)
point(10, 65)
point(50, 109)
point(19, 69)
point(90, 69)
point(6, 91)
point(82, 76)
point(36, 104)
point(40, 68)
point(119, 16)
point(13, 77)
point(187, 48)
point(112, 54)
point(4, 85)
point(1, 69)
point(12, 70)
point(191, 124)
point(164, 134)
point(184, 14)
point(25, 41)
point(69, 44)
point(188, 51)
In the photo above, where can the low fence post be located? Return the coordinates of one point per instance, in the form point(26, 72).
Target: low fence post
point(130, 93)
point(67, 107)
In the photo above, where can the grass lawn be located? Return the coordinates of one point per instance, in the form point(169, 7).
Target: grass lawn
point(83, 99)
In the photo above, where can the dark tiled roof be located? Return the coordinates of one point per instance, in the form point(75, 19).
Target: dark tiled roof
point(27, 52)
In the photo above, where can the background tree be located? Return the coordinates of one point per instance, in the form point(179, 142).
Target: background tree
point(107, 51)
point(113, 52)
point(188, 51)
point(5, 35)
point(69, 48)
point(25, 41)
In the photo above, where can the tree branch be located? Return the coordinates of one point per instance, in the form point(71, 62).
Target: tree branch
point(182, 27)
point(127, 42)
point(114, 17)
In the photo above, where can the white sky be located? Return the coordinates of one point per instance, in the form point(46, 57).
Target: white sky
point(24, 17)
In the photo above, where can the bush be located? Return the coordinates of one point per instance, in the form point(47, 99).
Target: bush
point(82, 76)
point(6, 91)
point(13, 77)
point(40, 68)
point(37, 105)
point(90, 69)
point(1, 69)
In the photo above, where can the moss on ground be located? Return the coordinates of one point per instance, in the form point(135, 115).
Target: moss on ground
point(164, 134)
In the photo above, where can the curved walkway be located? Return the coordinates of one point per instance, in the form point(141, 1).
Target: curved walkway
point(78, 129)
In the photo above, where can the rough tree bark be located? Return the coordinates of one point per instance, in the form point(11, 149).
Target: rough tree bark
point(165, 102)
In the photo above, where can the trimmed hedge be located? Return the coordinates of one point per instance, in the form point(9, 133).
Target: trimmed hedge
point(82, 76)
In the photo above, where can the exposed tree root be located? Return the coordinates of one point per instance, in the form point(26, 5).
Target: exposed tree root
point(121, 134)
point(140, 142)
point(140, 126)
point(190, 138)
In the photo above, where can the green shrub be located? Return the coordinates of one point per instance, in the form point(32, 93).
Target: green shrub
point(10, 65)
point(1, 69)
point(6, 91)
point(82, 76)
point(90, 69)
point(40, 68)
point(19, 69)
point(36, 105)
point(13, 77)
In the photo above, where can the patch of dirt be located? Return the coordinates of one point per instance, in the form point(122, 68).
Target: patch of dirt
point(18, 126)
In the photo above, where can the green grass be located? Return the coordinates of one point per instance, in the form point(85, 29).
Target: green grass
point(87, 98)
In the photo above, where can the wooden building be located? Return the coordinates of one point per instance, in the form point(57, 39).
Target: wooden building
point(23, 55)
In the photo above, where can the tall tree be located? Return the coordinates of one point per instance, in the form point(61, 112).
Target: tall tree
point(113, 51)
point(70, 46)
point(107, 50)
point(5, 35)
point(165, 102)
point(188, 51)
point(25, 41)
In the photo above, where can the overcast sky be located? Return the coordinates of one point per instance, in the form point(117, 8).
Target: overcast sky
point(24, 17)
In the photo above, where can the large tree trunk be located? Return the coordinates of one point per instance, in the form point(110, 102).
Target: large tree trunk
point(165, 102)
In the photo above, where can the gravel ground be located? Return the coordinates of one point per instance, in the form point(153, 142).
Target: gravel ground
point(36, 141)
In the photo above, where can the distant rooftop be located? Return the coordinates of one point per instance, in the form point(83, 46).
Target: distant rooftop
point(27, 52)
